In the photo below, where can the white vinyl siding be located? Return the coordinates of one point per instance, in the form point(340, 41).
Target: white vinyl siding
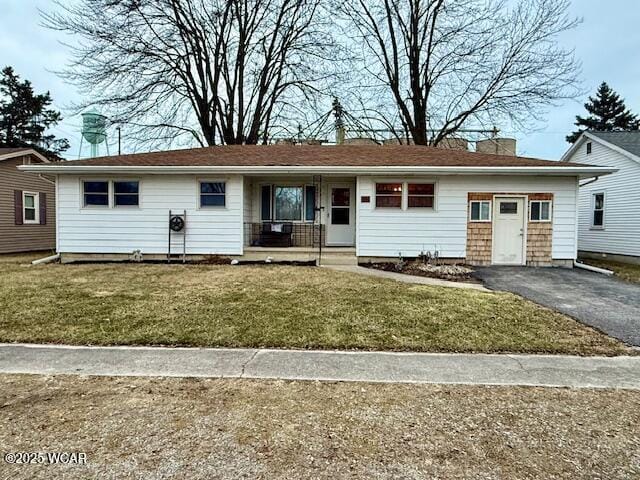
point(391, 232)
point(622, 203)
point(121, 230)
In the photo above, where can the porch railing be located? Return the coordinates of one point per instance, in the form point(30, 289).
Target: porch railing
point(282, 234)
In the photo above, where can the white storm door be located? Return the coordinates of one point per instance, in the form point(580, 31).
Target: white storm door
point(341, 228)
point(508, 231)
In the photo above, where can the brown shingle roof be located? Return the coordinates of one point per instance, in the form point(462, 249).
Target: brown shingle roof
point(317, 155)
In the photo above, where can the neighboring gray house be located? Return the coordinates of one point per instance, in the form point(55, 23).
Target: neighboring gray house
point(609, 208)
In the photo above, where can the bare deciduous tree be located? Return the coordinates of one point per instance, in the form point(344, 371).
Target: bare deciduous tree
point(219, 71)
point(438, 65)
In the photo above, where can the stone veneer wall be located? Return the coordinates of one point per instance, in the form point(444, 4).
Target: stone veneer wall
point(539, 234)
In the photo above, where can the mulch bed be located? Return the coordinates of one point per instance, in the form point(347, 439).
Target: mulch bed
point(452, 273)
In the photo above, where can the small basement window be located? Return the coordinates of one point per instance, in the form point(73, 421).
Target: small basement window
point(420, 195)
point(540, 211)
point(389, 195)
point(126, 194)
point(597, 219)
point(480, 211)
point(30, 212)
point(212, 194)
point(96, 193)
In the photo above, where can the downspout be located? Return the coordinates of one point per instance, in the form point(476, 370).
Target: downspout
point(46, 179)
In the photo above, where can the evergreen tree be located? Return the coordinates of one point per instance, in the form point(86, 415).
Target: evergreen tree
point(607, 112)
point(25, 116)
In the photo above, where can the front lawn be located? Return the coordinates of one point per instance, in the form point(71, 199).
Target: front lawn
point(273, 306)
point(626, 271)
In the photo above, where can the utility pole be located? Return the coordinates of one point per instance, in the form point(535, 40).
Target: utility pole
point(338, 113)
point(119, 151)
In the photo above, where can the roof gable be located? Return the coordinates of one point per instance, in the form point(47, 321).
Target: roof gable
point(625, 143)
point(8, 153)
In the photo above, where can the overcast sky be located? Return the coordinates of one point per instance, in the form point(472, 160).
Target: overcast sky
point(607, 43)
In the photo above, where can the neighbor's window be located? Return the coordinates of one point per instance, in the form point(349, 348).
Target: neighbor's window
point(288, 203)
point(540, 211)
point(480, 211)
point(588, 148)
point(598, 210)
point(96, 193)
point(126, 193)
point(389, 195)
point(420, 195)
point(30, 207)
point(212, 194)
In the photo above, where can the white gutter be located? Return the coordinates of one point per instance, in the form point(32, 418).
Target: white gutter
point(70, 169)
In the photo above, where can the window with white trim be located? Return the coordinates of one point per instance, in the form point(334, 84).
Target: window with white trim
point(389, 195)
point(480, 211)
point(95, 193)
point(212, 194)
point(597, 217)
point(540, 210)
point(30, 207)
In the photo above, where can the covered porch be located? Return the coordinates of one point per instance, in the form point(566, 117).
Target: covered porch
point(299, 218)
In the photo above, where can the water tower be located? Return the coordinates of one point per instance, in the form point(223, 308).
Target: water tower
point(94, 131)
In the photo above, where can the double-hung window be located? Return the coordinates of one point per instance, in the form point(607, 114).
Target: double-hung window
point(480, 211)
point(540, 210)
point(420, 195)
point(126, 193)
point(30, 204)
point(212, 194)
point(597, 217)
point(389, 195)
point(96, 193)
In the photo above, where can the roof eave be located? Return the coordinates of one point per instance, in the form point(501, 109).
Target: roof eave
point(564, 170)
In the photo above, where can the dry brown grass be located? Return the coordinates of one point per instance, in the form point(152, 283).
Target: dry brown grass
point(207, 429)
point(273, 306)
point(626, 271)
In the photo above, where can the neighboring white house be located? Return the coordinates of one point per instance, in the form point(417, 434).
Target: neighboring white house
point(319, 203)
point(609, 221)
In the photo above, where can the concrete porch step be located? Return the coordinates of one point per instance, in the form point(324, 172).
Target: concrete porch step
point(338, 259)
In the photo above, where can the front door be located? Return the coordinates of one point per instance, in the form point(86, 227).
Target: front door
point(341, 220)
point(508, 231)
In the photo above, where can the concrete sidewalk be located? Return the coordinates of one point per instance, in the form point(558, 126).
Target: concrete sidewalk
point(474, 369)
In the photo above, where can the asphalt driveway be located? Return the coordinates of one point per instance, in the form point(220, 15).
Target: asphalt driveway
point(603, 302)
